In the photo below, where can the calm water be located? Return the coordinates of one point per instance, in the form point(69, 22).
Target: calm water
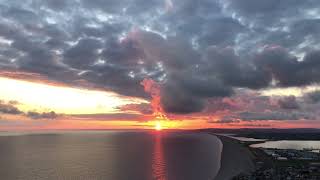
point(109, 156)
point(241, 138)
point(299, 145)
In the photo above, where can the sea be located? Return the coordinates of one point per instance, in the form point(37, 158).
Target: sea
point(109, 155)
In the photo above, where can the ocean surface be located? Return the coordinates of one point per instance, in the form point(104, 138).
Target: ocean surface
point(286, 144)
point(109, 155)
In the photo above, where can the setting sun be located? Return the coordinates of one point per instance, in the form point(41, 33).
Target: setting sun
point(158, 126)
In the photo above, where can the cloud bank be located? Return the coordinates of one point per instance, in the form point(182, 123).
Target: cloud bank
point(195, 50)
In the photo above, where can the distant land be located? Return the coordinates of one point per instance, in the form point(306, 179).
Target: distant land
point(271, 134)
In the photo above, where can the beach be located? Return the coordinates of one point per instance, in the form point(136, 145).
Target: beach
point(235, 159)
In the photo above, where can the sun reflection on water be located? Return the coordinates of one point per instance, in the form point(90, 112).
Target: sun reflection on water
point(158, 164)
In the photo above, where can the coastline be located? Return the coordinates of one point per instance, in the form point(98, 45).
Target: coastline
point(216, 141)
point(235, 159)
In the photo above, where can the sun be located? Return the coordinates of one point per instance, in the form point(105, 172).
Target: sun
point(158, 126)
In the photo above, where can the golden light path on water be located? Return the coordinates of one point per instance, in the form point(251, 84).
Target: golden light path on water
point(158, 164)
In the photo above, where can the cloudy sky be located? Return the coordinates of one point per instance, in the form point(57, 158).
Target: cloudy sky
point(107, 64)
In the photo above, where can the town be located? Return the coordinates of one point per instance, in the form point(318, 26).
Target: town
point(288, 164)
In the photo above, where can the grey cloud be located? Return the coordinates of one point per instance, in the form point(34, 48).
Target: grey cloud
point(253, 125)
point(114, 117)
point(176, 100)
point(287, 70)
point(268, 8)
point(115, 78)
point(108, 6)
point(278, 116)
point(225, 120)
point(189, 95)
point(313, 97)
point(44, 115)
point(173, 52)
point(9, 108)
point(23, 16)
point(143, 108)
point(83, 54)
point(221, 31)
point(289, 102)
point(196, 85)
point(56, 5)
point(249, 106)
point(41, 61)
point(124, 53)
point(217, 105)
point(139, 6)
point(306, 27)
point(188, 17)
point(252, 6)
point(235, 71)
point(184, 83)
point(196, 50)
point(269, 12)
point(289, 23)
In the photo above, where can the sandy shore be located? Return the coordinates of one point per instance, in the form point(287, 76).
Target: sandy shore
point(235, 159)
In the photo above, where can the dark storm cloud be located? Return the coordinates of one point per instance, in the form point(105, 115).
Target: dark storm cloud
point(196, 50)
point(313, 97)
point(123, 6)
point(185, 82)
point(83, 54)
point(176, 100)
point(247, 106)
point(277, 116)
point(225, 120)
point(108, 6)
point(21, 15)
point(173, 52)
point(266, 7)
point(221, 31)
point(267, 125)
point(188, 94)
point(112, 117)
point(270, 12)
point(235, 71)
point(190, 17)
point(143, 108)
point(287, 70)
point(57, 5)
point(306, 27)
point(125, 53)
point(44, 115)
point(289, 102)
point(115, 78)
point(9, 108)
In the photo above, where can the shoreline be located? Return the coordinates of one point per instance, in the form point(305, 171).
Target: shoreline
point(235, 159)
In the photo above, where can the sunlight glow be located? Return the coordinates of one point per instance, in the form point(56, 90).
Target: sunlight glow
point(294, 91)
point(158, 126)
point(44, 97)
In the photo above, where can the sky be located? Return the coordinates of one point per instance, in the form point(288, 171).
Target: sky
point(140, 64)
